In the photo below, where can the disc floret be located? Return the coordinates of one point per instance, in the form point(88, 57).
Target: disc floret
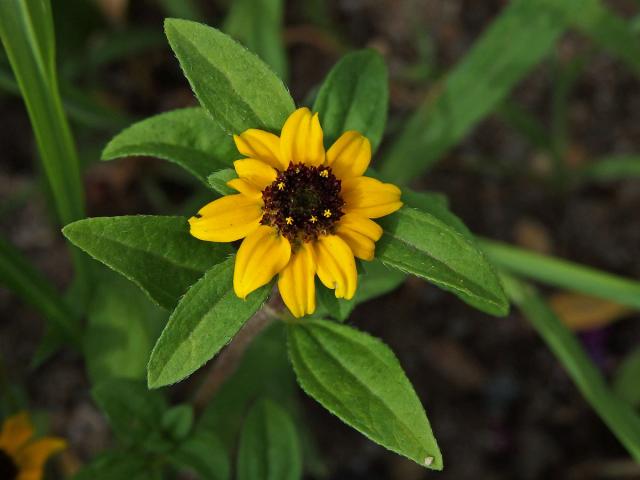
point(303, 202)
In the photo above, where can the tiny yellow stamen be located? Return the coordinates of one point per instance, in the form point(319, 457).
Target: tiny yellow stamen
point(289, 220)
point(324, 173)
point(313, 219)
point(281, 186)
point(327, 213)
point(298, 170)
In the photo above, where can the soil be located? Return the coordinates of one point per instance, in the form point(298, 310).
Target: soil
point(500, 404)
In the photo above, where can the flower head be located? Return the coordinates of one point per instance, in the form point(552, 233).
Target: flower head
point(301, 211)
point(22, 458)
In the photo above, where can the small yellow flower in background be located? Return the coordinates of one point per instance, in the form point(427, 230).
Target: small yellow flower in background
point(301, 211)
point(22, 458)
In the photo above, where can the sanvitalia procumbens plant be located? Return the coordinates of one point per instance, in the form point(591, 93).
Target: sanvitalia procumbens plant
point(302, 204)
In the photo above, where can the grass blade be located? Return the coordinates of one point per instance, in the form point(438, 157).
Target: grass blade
point(618, 167)
point(17, 274)
point(563, 274)
point(476, 86)
point(623, 422)
point(26, 30)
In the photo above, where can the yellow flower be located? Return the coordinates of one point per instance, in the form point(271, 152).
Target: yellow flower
point(22, 458)
point(301, 211)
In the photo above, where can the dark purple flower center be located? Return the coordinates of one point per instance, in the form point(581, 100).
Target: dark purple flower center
point(303, 202)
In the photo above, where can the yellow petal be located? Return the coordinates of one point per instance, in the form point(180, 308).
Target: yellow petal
point(297, 284)
point(360, 233)
point(370, 197)
point(227, 219)
point(262, 145)
point(336, 265)
point(360, 224)
point(301, 139)
point(261, 256)
point(245, 187)
point(361, 246)
point(32, 458)
point(350, 155)
point(16, 431)
point(255, 171)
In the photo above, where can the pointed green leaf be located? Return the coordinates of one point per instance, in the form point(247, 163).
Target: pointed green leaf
point(188, 137)
point(418, 243)
point(122, 326)
point(205, 320)
point(133, 411)
point(269, 445)
point(177, 421)
point(234, 85)
point(156, 253)
point(204, 453)
point(117, 464)
point(258, 25)
point(355, 96)
point(358, 378)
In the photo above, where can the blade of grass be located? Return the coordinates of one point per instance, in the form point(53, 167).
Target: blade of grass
point(26, 30)
point(607, 30)
point(17, 274)
point(623, 422)
point(616, 167)
point(476, 86)
point(486, 75)
point(563, 274)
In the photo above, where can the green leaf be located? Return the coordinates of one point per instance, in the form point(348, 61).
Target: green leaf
point(203, 453)
point(122, 327)
point(617, 167)
point(26, 31)
point(17, 274)
point(437, 205)
point(355, 96)
point(218, 181)
point(269, 446)
point(235, 86)
point(358, 378)
point(563, 274)
point(477, 85)
point(623, 422)
point(418, 243)
point(112, 465)
point(177, 421)
point(625, 380)
point(205, 320)
point(188, 137)
point(156, 253)
point(258, 25)
point(133, 411)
